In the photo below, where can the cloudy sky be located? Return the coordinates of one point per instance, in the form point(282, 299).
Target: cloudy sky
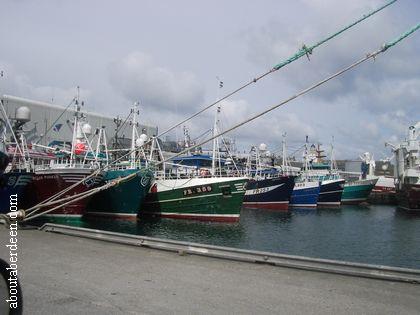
point(169, 54)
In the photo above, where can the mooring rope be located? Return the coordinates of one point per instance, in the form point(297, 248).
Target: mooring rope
point(29, 212)
point(62, 192)
point(79, 196)
point(301, 52)
point(304, 51)
point(74, 198)
point(371, 55)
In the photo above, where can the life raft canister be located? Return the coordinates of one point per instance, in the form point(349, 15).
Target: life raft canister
point(154, 189)
point(204, 172)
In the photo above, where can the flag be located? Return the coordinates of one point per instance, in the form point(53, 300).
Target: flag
point(220, 84)
point(57, 127)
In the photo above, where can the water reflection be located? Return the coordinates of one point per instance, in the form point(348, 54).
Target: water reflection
point(227, 234)
point(375, 234)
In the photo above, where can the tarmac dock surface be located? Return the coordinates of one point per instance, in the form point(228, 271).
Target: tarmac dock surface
point(62, 274)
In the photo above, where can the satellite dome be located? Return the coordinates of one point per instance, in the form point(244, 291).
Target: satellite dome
point(262, 147)
point(139, 142)
point(144, 137)
point(87, 129)
point(23, 114)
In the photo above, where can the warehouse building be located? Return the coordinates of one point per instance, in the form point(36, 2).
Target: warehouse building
point(50, 122)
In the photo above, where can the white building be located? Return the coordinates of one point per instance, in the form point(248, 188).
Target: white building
point(50, 122)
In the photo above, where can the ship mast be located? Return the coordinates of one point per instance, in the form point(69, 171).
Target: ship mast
point(187, 139)
point(134, 133)
point(216, 155)
point(283, 145)
point(305, 158)
point(215, 132)
point(333, 165)
point(75, 128)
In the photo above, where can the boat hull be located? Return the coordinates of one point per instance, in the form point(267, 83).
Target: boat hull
point(356, 192)
point(14, 183)
point(330, 193)
point(408, 197)
point(124, 200)
point(46, 184)
point(305, 195)
point(4, 159)
point(205, 199)
point(384, 191)
point(269, 193)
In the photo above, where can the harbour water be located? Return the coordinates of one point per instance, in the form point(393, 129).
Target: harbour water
point(375, 234)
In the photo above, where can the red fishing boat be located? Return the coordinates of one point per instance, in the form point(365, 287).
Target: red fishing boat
point(68, 175)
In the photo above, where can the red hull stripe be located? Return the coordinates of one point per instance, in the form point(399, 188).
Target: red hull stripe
point(119, 216)
point(212, 218)
point(303, 205)
point(384, 190)
point(284, 205)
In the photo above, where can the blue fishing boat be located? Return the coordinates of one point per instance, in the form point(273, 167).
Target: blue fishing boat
point(14, 183)
point(4, 159)
point(331, 184)
point(331, 191)
point(269, 193)
point(305, 194)
point(17, 162)
point(268, 187)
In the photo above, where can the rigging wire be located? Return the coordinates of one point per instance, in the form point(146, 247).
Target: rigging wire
point(58, 118)
point(371, 55)
point(304, 51)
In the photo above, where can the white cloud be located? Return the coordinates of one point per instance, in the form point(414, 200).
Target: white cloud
point(22, 85)
point(364, 107)
point(137, 77)
point(268, 129)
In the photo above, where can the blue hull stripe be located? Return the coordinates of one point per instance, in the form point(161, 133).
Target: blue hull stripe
point(304, 197)
point(279, 194)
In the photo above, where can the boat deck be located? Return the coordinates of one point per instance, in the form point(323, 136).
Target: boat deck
point(63, 274)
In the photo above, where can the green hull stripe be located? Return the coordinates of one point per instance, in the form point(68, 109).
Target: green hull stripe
point(357, 192)
point(194, 197)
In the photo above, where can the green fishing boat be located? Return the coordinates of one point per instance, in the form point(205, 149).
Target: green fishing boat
point(124, 199)
point(357, 191)
point(206, 199)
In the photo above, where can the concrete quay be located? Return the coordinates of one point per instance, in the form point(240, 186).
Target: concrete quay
point(64, 274)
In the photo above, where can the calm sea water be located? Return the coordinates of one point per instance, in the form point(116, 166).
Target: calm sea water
point(375, 234)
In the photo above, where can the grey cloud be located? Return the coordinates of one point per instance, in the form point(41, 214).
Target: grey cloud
point(137, 77)
point(369, 95)
point(21, 84)
point(178, 77)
